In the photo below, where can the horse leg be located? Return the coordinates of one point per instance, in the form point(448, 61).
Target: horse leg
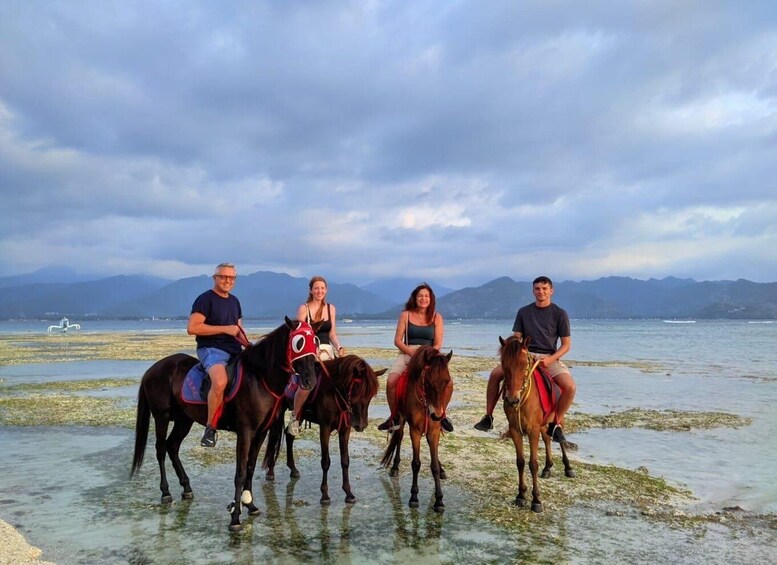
point(160, 431)
point(293, 471)
point(433, 439)
point(415, 439)
point(241, 461)
point(394, 472)
point(548, 459)
point(345, 463)
point(568, 471)
point(534, 467)
point(247, 496)
point(181, 429)
point(520, 462)
point(323, 433)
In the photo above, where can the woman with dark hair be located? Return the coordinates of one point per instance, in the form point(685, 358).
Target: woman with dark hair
point(419, 324)
point(321, 315)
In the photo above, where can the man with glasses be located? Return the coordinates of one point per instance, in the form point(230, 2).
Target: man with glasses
point(216, 320)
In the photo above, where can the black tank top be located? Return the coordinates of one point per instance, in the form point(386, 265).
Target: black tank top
point(326, 326)
point(419, 335)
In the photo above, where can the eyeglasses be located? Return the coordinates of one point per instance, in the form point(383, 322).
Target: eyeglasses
point(226, 277)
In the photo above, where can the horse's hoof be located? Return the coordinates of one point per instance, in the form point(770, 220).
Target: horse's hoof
point(254, 511)
point(570, 473)
point(294, 474)
point(394, 473)
point(167, 499)
point(187, 495)
point(439, 508)
point(235, 528)
point(269, 477)
point(519, 501)
point(413, 504)
point(536, 506)
point(545, 474)
point(350, 500)
point(326, 502)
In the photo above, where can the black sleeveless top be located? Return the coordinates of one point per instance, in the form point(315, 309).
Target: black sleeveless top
point(326, 326)
point(419, 335)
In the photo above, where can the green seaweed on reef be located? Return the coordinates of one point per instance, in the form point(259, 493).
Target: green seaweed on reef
point(659, 420)
point(64, 410)
point(70, 386)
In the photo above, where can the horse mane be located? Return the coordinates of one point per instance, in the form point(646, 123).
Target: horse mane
point(425, 356)
point(268, 355)
point(343, 370)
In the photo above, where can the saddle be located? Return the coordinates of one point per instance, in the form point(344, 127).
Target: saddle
point(196, 384)
point(548, 390)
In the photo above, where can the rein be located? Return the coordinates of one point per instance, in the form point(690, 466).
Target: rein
point(420, 395)
point(525, 391)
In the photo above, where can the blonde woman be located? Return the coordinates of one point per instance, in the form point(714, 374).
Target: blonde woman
point(317, 312)
point(418, 324)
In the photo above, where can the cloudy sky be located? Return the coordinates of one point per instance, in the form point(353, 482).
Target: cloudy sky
point(449, 141)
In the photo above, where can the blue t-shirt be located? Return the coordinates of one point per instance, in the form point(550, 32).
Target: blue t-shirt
point(543, 325)
point(218, 311)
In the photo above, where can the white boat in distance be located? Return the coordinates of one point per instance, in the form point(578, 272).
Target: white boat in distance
point(64, 325)
point(679, 321)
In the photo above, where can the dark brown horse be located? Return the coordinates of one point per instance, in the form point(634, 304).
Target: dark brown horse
point(525, 415)
point(339, 402)
point(267, 366)
point(421, 403)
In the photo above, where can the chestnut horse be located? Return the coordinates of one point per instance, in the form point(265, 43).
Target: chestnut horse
point(339, 402)
point(525, 415)
point(420, 403)
point(267, 365)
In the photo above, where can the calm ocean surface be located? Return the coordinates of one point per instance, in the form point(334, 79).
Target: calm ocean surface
point(728, 366)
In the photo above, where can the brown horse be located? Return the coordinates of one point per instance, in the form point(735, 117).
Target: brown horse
point(267, 366)
point(421, 405)
point(339, 402)
point(524, 413)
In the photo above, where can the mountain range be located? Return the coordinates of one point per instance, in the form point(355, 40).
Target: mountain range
point(51, 293)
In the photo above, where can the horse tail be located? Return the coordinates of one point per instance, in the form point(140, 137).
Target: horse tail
point(141, 430)
point(393, 447)
point(274, 442)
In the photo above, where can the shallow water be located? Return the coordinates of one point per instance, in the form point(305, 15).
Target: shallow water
point(66, 489)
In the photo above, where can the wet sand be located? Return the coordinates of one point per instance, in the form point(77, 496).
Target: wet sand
point(15, 550)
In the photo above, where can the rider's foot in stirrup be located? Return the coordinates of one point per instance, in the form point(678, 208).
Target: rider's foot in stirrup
point(293, 428)
point(556, 434)
point(446, 424)
point(210, 437)
point(390, 425)
point(486, 423)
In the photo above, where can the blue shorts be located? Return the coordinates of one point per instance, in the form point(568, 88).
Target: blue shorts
point(210, 356)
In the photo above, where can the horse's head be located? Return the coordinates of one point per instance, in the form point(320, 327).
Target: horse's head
point(357, 381)
point(429, 368)
point(514, 355)
point(301, 352)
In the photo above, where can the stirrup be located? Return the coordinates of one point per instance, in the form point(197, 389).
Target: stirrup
point(293, 428)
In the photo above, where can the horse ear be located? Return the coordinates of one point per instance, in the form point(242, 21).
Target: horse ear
point(289, 323)
point(448, 357)
point(526, 340)
point(501, 341)
point(379, 373)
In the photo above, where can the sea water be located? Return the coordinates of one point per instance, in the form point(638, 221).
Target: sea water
point(728, 366)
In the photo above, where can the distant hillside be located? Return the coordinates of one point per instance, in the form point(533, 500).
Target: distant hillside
point(622, 297)
point(262, 295)
point(273, 295)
